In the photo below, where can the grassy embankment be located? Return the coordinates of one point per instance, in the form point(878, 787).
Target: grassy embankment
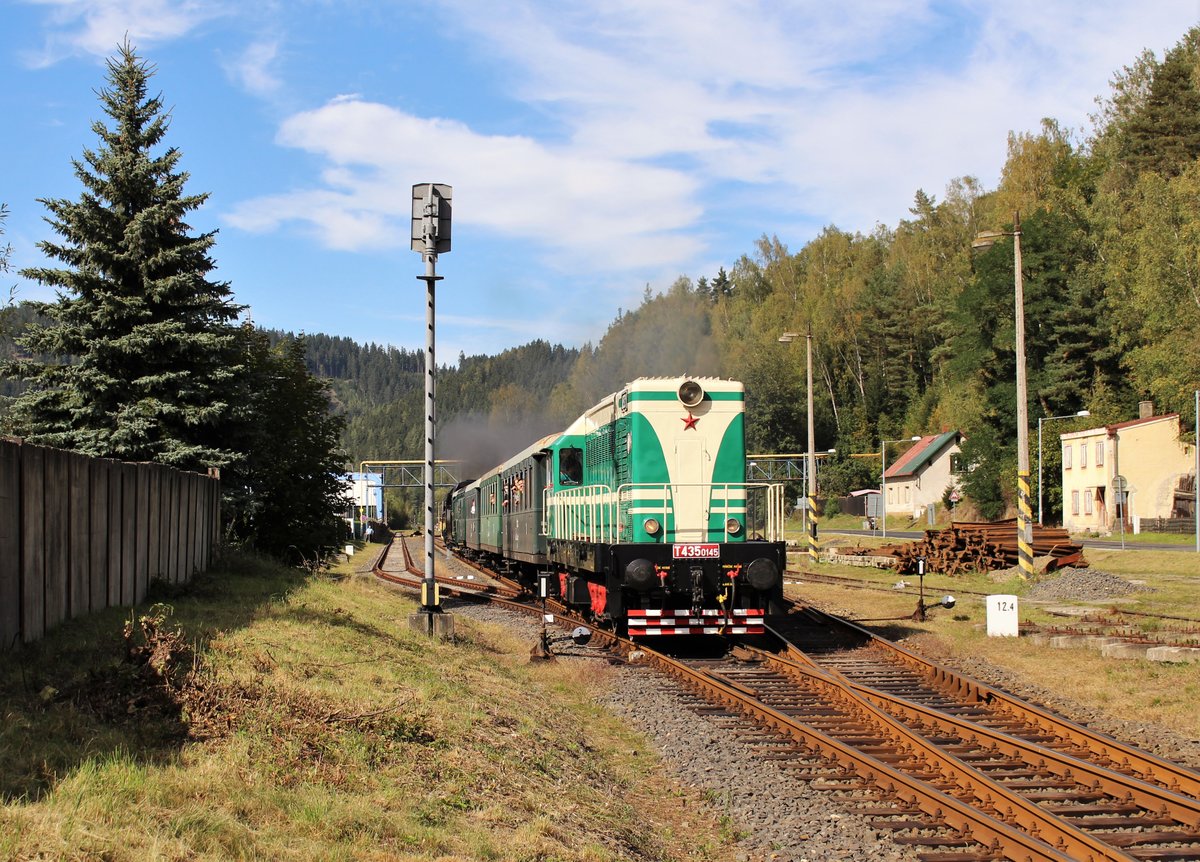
point(1135, 690)
point(262, 713)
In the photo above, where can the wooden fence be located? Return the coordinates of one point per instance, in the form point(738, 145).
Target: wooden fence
point(78, 534)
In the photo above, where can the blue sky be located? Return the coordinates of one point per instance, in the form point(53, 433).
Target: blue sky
point(594, 148)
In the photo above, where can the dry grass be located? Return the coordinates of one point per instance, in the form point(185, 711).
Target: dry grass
point(1134, 690)
point(298, 718)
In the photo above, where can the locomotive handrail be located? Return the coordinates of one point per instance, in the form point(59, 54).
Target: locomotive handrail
point(595, 514)
point(569, 507)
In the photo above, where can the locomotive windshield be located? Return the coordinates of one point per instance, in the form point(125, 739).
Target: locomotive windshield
point(570, 466)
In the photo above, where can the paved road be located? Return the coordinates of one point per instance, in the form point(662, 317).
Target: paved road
point(1099, 544)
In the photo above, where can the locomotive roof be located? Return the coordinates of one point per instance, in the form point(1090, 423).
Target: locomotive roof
point(721, 382)
point(640, 384)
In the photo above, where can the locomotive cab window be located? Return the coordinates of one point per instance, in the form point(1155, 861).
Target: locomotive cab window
point(570, 466)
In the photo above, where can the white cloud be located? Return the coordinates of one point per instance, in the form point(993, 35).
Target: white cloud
point(581, 205)
point(97, 27)
point(818, 112)
point(253, 69)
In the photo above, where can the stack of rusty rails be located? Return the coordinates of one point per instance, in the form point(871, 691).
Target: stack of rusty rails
point(984, 546)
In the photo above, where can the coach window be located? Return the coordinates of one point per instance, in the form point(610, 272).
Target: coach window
point(570, 466)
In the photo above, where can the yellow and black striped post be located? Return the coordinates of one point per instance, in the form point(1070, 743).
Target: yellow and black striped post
point(1024, 527)
point(812, 530)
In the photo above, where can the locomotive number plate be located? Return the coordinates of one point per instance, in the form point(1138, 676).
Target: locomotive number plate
point(696, 552)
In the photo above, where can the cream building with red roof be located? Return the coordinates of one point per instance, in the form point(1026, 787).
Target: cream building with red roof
point(1146, 454)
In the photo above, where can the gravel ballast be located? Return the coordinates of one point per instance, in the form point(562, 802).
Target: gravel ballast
point(782, 818)
point(1082, 585)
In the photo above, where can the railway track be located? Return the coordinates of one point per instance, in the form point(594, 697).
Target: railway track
point(406, 571)
point(955, 769)
point(1169, 630)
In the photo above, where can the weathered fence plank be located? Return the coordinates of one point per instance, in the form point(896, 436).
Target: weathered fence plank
point(189, 525)
point(79, 530)
point(154, 521)
point(164, 525)
point(58, 507)
point(10, 543)
point(116, 499)
point(128, 523)
point(33, 542)
point(141, 530)
point(98, 532)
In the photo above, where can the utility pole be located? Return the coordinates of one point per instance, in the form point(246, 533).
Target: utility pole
point(1024, 511)
point(812, 465)
point(985, 239)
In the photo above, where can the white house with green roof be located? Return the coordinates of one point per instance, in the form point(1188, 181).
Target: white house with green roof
point(922, 474)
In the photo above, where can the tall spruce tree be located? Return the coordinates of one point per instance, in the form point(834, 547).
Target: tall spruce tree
point(143, 353)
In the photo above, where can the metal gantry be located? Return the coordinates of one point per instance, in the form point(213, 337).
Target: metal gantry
point(411, 473)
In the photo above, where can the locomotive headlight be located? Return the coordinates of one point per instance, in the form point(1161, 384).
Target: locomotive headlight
point(762, 574)
point(733, 526)
point(691, 393)
point(652, 526)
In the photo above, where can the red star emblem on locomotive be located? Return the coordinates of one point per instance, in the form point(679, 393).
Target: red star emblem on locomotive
point(690, 421)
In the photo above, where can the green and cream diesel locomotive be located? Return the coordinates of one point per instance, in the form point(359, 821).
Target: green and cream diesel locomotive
point(639, 512)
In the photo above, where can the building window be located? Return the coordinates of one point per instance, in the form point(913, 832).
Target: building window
point(1087, 504)
point(1099, 453)
point(1067, 450)
point(1074, 502)
point(907, 494)
point(1083, 454)
point(956, 464)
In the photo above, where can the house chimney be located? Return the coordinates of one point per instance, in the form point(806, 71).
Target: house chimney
point(1145, 409)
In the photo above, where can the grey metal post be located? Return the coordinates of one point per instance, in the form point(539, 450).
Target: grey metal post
point(429, 593)
point(430, 236)
point(1041, 419)
point(883, 483)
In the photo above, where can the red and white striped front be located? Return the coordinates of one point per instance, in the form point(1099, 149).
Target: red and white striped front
point(710, 621)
